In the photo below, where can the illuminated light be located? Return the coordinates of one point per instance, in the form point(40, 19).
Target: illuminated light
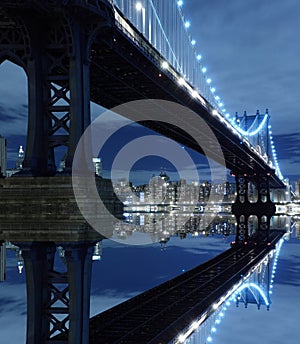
point(159, 75)
point(246, 133)
point(208, 80)
point(181, 338)
point(138, 6)
point(227, 115)
point(223, 110)
point(213, 90)
point(218, 321)
point(215, 112)
point(187, 24)
point(221, 104)
point(199, 57)
point(209, 339)
point(213, 330)
point(180, 3)
point(217, 98)
point(222, 314)
point(194, 94)
point(193, 41)
point(195, 325)
point(165, 65)
point(204, 70)
point(181, 81)
point(255, 286)
point(227, 303)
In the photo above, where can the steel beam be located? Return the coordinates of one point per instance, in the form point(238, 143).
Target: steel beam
point(58, 303)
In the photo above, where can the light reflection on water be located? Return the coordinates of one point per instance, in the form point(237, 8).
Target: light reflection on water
point(125, 270)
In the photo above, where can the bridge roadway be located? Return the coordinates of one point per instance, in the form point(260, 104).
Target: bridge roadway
point(161, 313)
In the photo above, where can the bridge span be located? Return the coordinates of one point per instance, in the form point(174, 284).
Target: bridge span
point(161, 313)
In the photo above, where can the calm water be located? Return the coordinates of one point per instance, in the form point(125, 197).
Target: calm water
point(126, 270)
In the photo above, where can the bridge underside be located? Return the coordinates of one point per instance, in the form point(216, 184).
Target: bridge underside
point(161, 313)
point(88, 53)
point(122, 72)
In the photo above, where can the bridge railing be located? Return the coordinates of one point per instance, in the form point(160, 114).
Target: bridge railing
point(163, 25)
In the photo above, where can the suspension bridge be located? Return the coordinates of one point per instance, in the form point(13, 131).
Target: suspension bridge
point(111, 53)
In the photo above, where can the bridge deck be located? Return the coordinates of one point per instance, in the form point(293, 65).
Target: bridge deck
point(159, 314)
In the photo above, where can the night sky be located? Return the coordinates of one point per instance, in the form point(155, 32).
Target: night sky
point(251, 49)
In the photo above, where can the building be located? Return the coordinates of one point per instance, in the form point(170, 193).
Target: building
point(19, 162)
point(297, 188)
point(98, 166)
point(2, 262)
point(3, 155)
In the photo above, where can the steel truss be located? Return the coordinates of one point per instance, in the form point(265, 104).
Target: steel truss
point(262, 207)
point(58, 303)
point(52, 42)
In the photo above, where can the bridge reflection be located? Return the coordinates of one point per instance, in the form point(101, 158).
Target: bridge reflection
point(40, 214)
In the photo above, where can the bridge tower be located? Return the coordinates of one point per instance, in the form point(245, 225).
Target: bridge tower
point(260, 206)
point(52, 42)
point(57, 302)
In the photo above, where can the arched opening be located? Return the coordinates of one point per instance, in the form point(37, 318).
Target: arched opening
point(252, 192)
point(252, 225)
point(13, 112)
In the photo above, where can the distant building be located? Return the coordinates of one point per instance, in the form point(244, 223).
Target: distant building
point(2, 262)
point(297, 188)
point(19, 163)
point(3, 155)
point(98, 166)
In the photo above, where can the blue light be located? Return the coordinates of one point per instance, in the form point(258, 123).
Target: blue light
point(208, 80)
point(179, 3)
point(246, 133)
point(199, 57)
point(213, 90)
point(257, 287)
point(209, 339)
point(213, 330)
point(187, 24)
point(193, 41)
point(204, 69)
point(217, 98)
